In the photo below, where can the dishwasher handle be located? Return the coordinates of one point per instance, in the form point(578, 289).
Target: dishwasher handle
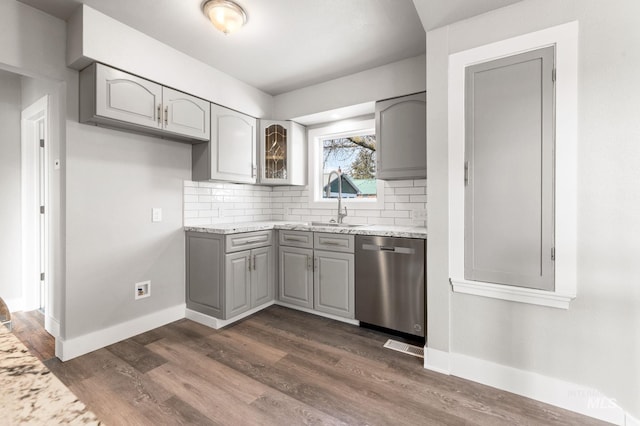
point(388, 249)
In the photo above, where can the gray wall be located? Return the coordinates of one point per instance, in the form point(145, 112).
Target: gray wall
point(114, 179)
point(596, 342)
point(10, 190)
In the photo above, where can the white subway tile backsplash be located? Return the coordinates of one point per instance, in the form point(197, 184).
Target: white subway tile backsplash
point(216, 202)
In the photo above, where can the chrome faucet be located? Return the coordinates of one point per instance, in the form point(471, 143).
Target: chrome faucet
point(338, 173)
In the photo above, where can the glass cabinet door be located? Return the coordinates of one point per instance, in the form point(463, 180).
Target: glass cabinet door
point(275, 152)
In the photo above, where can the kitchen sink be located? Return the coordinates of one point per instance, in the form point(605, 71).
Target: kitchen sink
point(335, 224)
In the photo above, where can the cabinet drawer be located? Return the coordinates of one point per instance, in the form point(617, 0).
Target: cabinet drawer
point(248, 240)
point(333, 242)
point(296, 239)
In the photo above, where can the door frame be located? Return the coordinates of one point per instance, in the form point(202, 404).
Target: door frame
point(35, 176)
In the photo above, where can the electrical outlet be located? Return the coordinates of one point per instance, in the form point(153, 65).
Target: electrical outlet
point(156, 214)
point(420, 215)
point(142, 289)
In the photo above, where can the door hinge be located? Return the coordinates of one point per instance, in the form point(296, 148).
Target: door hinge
point(41, 276)
point(41, 143)
point(553, 253)
point(41, 209)
point(553, 75)
point(466, 173)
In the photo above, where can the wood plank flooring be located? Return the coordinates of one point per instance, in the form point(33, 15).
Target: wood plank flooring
point(283, 367)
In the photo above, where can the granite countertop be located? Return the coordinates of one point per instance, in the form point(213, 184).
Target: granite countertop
point(31, 394)
point(377, 230)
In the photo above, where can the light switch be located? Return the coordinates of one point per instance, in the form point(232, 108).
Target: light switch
point(156, 214)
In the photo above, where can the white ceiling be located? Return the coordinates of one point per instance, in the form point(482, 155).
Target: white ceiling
point(287, 44)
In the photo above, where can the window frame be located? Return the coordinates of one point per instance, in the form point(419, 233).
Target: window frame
point(565, 39)
point(345, 128)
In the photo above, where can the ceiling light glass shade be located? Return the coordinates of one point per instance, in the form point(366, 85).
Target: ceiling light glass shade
point(225, 15)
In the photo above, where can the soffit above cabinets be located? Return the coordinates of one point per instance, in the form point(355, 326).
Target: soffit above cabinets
point(286, 44)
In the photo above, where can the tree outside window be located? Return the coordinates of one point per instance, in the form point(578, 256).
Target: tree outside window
point(355, 156)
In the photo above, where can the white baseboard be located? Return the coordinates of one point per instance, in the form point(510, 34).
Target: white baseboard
point(216, 323)
point(72, 348)
point(52, 326)
point(320, 314)
point(631, 421)
point(560, 393)
point(436, 360)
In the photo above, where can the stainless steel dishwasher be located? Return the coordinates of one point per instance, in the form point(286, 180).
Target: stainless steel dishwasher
point(390, 283)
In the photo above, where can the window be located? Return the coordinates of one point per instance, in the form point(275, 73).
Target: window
point(355, 158)
point(348, 146)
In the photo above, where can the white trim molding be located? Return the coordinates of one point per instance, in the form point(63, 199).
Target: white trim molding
point(565, 39)
point(556, 392)
point(77, 346)
point(217, 323)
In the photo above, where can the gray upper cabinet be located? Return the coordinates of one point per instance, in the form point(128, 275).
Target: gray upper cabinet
point(118, 99)
point(185, 114)
point(231, 153)
point(401, 135)
point(283, 153)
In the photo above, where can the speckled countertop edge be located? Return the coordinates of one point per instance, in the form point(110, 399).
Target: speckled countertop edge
point(373, 230)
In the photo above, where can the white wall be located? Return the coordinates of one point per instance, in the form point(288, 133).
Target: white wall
point(596, 343)
point(388, 81)
point(94, 36)
point(209, 203)
point(10, 191)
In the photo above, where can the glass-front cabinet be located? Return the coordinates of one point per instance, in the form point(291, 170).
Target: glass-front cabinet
point(283, 153)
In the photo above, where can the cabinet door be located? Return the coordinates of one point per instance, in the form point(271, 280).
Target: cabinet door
point(205, 282)
point(262, 275)
point(233, 145)
point(401, 133)
point(296, 276)
point(122, 96)
point(185, 114)
point(334, 281)
point(283, 153)
point(238, 283)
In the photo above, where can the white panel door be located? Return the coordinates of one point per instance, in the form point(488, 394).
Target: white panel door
point(233, 145)
point(125, 97)
point(185, 114)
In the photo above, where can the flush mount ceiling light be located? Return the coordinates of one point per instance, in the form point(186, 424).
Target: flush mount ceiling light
point(225, 15)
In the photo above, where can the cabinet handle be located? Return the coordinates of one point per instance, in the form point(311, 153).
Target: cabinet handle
point(315, 263)
point(159, 113)
point(298, 240)
point(466, 173)
point(166, 115)
point(250, 242)
point(309, 265)
point(330, 242)
point(248, 263)
point(253, 171)
point(254, 262)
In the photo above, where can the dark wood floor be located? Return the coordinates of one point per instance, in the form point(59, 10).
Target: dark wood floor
point(282, 367)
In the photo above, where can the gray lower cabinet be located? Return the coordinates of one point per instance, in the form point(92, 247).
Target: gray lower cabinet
point(296, 276)
point(225, 280)
point(320, 279)
point(334, 283)
point(205, 273)
point(248, 277)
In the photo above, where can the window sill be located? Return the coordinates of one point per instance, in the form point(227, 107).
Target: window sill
point(514, 294)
